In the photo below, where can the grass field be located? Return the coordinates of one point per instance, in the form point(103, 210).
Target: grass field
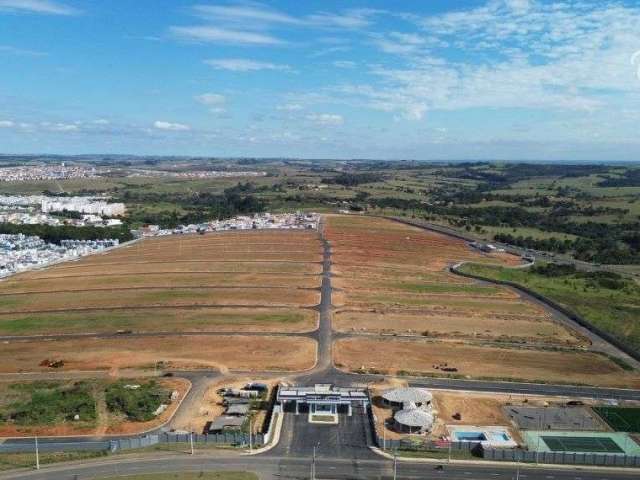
point(471, 361)
point(614, 311)
point(232, 281)
point(621, 419)
point(393, 278)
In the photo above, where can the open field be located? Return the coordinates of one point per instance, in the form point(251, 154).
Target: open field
point(231, 281)
point(614, 310)
point(188, 476)
point(393, 279)
point(224, 352)
point(190, 319)
point(47, 408)
point(455, 324)
point(153, 297)
point(420, 357)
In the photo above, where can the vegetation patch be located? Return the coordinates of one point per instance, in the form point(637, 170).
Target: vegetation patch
point(137, 402)
point(49, 403)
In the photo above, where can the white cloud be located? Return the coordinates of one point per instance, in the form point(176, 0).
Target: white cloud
point(344, 64)
point(326, 119)
point(22, 52)
point(214, 101)
point(101, 121)
point(210, 34)
point(6, 124)
point(211, 99)
point(176, 127)
point(46, 7)
point(244, 65)
point(243, 13)
point(289, 107)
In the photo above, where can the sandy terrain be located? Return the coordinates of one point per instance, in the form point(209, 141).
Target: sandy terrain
point(482, 362)
point(224, 352)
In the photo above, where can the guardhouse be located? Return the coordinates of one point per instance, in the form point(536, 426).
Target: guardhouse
point(322, 398)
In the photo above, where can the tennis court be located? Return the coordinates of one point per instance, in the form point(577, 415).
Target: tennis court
point(582, 444)
point(621, 419)
point(608, 443)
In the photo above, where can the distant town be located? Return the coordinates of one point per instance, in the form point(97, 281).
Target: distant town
point(30, 173)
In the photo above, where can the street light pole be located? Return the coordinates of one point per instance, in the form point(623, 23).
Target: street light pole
point(37, 455)
point(250, 431)
point(313, 464)
point(191, 442)
point(395, 465)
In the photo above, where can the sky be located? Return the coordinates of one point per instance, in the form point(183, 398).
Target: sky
point(416, 79)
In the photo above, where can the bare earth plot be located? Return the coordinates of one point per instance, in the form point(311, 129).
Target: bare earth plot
point(421, 358)
point(252, 353)
point(237, 281)
point(393, 278)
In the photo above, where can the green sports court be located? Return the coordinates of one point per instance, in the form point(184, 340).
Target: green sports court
point(581, 442)
point(621, 419)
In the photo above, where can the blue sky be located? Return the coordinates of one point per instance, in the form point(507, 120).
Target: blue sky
point(495, 79)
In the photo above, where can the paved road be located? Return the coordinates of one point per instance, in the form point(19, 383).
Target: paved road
point(299, 468)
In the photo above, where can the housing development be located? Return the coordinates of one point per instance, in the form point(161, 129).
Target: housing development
point(319, 240)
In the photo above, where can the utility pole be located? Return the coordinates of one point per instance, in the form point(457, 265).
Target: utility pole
point(37, 455)
point(313, 464)
point(250, 431)
point(384, 437)
point(517, 467)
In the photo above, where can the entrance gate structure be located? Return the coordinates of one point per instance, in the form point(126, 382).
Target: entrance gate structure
point(322, 400)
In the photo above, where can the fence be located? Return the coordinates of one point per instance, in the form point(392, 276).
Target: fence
point(561, 458)
point(225, 438)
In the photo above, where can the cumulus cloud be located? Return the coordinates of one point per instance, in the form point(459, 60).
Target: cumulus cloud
point(244, 65)
point(175, 127)
point(45, 7)
point(326, 119)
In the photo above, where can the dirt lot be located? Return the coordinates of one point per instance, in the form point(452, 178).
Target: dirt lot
point(471, 361)
point(448, 324)
point(208, 406)
point(233, 281)
point(167, 280)
point(147, 297)
point(393, 278)
point(72, 269)
point(107, 423)
point(252, 353)
point(188, 319)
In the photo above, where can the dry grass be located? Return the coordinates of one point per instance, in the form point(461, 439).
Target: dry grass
point(471, 361)
point(252, 353)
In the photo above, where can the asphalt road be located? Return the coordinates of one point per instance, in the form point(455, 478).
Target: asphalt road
point(299, 468)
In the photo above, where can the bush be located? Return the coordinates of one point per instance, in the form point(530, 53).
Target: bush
point(137, 404)
point(51, 403)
